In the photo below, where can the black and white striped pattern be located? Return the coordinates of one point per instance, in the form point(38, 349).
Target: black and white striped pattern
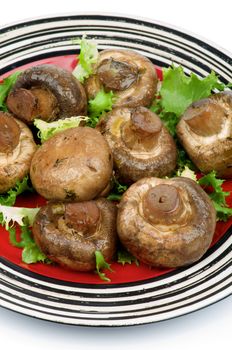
point(174, 294)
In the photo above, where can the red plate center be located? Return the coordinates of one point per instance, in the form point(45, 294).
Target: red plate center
point(120, 274)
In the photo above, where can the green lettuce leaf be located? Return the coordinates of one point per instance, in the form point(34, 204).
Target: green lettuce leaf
point(169, 119)
point(178, 90)
point(183, 159)
point(124, 257)
point(5, 88)
point(17, 215)
point(24, 217)
point(187, 172)
point(87, 58)
point(213, 186)
point(101, 264)
point(117, 190)
point(47, 130)
point(102, 103)
point(218, 195)
point(9, 197)
point(31, 252)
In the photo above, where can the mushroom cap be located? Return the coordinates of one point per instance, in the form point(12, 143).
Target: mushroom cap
point(70, 233)
point(131, 76)
point(140, 143)
point(47, 92)
point(166, 222)
point(205, 131)
point(75, 164)
point(17, 147)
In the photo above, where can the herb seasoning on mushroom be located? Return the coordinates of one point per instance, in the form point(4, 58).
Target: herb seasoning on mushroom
point(17, 147)
point(205, 131)
point(166, 222)
point(47, 92)
point(75, 165)
point(140, 143)
point(70, 233)
point(131, 76)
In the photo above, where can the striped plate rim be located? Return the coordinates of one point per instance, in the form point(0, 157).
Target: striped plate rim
point(161, 298)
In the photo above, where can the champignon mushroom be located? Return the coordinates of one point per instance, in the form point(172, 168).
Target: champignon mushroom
point(17, 147)
point(140, 143)
point(131, 76)
point(47, 92)
point(166, 222)
point(75, 164)
point(70, 233)
point(205, 131)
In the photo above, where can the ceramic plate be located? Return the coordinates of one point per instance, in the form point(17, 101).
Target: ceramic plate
point(136, 294)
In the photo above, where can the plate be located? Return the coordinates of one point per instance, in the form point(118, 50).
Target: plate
point(141, 295)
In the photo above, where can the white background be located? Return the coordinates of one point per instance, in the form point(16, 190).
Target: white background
point(209, 328)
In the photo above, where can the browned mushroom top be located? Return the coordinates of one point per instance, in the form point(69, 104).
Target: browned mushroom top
point(9, 133)
point(70, 233)
point(166, 222)
point(140, 143)
point(205, 131)
point(47, 92)
point(17, 147)
point(128, 74)
point(75, 164)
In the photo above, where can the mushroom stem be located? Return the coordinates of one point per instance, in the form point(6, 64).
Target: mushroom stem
point(205, 132)
point(9, 133)
point(141, 132)
point(145, 122)
point(205, 117)
point(83, 217)
point(166, 222)
point(27, 104)
point(161, 204)
point(116, 75)
point(47, 92)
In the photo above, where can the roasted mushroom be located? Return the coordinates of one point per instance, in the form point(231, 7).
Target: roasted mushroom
point(17, 147)
point(70, 233)
point(140, 143)
point(205, 131)
point(166, 222)
point(47, 92)
point(131, 76)
point(75, 164)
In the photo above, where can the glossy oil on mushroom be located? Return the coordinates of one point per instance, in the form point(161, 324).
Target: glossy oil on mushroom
point(162, 222)
point(70, 233)
point(47, 92)
point(205, 131)
point(131, 76)
point(74, 165)
point(166, 222)
point(17, 148)
point(140, 143)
